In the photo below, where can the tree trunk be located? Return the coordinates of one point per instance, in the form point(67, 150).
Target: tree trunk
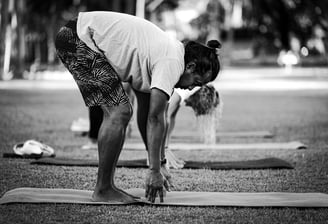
point(51, 41)
point(140, 8)
point(214, 24)
point(20, 41)
point(283, 25)
point(51, 34)
point(3, 34)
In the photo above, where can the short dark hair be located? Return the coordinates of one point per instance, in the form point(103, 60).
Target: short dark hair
point(205, 57)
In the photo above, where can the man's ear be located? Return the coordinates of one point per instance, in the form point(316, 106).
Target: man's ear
point(191, 66)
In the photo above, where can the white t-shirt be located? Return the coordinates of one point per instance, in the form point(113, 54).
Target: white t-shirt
point(140, 52)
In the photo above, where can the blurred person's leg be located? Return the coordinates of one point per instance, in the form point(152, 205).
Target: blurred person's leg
point(143, 100)
point(95, 119)
point(174, 105)
point(173, 108)
point(177, 99)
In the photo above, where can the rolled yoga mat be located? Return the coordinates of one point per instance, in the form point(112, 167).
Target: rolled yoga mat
point(14, 156)
point(244, 146)
point(174, 198)
point(267, 163)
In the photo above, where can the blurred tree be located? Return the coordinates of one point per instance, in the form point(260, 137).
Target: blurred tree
point(12, 38)
point(211, 22)
point(28, 28)
point(4, 4)
point(276, 21)
point(216, 23)
point(156, 9)
point(48, 16)
point(42, 26)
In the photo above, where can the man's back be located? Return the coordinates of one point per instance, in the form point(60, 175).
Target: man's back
point(131, 44)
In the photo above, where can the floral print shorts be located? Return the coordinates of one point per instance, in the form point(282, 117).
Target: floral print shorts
point(98, 82)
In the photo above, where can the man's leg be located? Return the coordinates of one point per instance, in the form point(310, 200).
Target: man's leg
point(110, 142)
point(143, 100)
point(87, 66)
point(96, 117)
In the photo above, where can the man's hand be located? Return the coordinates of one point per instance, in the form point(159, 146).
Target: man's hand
point(155, 183)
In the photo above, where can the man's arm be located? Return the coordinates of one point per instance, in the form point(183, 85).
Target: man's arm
point(156, 125)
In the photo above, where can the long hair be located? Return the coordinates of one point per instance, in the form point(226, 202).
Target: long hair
point(205, 57)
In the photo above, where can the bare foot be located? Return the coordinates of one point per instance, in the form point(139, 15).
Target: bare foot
point(113, 195)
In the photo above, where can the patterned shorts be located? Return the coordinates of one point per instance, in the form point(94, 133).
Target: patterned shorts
point(98, 82)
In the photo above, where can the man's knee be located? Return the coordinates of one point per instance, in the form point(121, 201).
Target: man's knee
point(121, 113)
point(126, 112)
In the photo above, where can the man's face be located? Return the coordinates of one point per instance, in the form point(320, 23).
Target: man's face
point(190, 78)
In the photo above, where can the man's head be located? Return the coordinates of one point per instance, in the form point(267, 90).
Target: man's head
point(201, 64)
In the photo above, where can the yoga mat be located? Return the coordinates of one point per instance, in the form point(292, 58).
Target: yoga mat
point(237, 134)
point(174, 198)
point(234, 134)
point(244, 146)
point(267, 163)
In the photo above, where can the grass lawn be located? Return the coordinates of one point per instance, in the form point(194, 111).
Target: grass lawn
point(46, 115)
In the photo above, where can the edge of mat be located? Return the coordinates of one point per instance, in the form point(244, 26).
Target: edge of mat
point(296, 145)
point(292, 199)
